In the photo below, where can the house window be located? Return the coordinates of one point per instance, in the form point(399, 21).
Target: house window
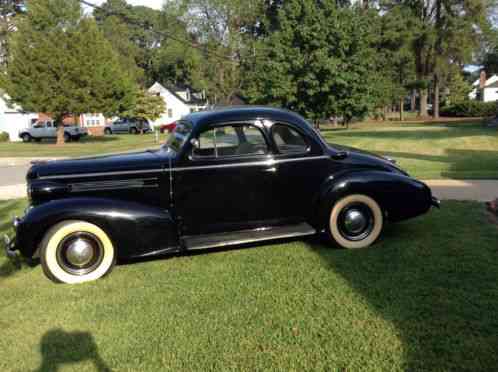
point(170, 113)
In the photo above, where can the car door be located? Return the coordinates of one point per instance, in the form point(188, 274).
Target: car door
point(50, 130)
point(226, 182)
point(301, 168)
point(38, 130)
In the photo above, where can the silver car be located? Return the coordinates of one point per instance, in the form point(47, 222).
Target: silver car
point(133, 126)
point(48, 130)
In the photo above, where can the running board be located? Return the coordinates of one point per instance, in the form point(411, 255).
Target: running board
point(246, 236)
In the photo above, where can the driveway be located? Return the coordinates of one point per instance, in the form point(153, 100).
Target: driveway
point(479, 190)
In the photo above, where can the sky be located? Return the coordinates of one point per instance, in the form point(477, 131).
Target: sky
point(156, 4)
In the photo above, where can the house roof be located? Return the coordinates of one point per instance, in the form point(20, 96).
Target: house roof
point(175, 90)
point(490, 82)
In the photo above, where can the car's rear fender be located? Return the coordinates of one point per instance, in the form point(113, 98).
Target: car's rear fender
point(135, 229)
point(399, 196)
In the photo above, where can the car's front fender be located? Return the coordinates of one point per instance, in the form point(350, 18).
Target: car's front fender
point(135, 229)
point(399, 196)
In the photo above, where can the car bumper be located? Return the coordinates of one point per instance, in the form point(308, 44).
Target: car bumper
point(435, 202)
point(9, 243)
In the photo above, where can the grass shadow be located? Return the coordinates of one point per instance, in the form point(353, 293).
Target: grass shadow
point(60, 348)
point(434, 285)
point(462, 163)
point(438, 132)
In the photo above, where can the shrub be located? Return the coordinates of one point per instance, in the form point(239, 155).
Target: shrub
point(470, 109)
point(4, 137)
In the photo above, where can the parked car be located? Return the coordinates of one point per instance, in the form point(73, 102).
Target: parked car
point(133, 126)
point(223, 178)
point(167, 127)
point(48, 130)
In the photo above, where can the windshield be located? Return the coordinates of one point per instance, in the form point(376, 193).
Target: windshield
point(179, 136)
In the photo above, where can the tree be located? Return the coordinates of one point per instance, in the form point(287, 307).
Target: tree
point(318, 61)
point(62, 64)
point(394, 59)
point(146, 106)
point(445, 32)
point(9, 9)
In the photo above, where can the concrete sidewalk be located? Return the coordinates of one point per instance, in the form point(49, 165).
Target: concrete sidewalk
point(478, 190)
point(14, 162)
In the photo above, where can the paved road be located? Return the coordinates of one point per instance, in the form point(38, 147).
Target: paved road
point(13, 175)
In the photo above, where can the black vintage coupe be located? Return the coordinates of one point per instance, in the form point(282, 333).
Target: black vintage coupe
point(223, 178)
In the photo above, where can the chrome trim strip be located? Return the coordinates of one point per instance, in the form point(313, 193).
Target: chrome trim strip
point(113, 184)
point(97, 174)
point(250, 164)
point(180, 169)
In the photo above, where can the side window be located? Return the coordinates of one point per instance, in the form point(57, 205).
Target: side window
point(288, 140)
point(231, 140)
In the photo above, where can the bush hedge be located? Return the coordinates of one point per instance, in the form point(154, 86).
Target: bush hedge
point(4, 137)
point(470, 109)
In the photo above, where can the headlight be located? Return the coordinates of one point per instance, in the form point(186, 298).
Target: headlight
point(29, 191)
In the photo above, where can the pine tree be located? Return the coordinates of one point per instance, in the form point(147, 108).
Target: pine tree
point(60, 63)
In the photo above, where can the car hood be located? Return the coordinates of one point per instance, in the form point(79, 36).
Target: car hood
point(366, 158)
point(100, 164)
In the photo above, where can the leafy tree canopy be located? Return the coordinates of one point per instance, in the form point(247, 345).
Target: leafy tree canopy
point(319, 61)
point(61, 63)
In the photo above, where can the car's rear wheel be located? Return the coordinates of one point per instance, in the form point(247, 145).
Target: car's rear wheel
point(133, 130)
point(26, 137)
point(108, 131)
point(67, 137)
point(355, 221)
point(76, 252)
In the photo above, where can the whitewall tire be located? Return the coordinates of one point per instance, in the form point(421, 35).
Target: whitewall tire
point(355, 221)
point(76, 252)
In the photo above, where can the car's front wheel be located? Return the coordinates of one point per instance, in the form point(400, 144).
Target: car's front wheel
point(355, 221)
point(107, 131)
point(76, 252)
point(133, 130)
point(26, 137)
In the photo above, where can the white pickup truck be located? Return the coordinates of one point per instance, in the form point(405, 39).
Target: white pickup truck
point(48, 129)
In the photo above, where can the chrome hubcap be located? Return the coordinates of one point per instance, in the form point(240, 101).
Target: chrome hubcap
point(79, 252)
point(355, 221)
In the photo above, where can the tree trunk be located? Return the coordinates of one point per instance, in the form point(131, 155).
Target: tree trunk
point(435, 101)
point(60, 132)
point(413, 101)
point(423, 102)
point(401, 109)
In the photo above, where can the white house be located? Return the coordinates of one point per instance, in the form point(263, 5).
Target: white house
point(179, 102)
point(13, 118)
point(484, 89)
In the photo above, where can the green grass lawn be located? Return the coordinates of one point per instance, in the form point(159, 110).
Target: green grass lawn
point(428, 151)
point(425, 297)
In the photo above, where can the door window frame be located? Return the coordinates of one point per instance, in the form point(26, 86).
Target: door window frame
point(251, 123)
point(305, 137)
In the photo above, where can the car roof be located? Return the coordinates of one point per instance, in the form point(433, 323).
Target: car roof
point(243, 113)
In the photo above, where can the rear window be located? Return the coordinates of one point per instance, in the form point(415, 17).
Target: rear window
point(288, 140)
